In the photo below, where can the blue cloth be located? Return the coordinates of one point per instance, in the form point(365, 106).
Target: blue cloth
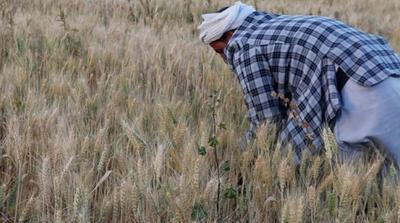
point(286, 68)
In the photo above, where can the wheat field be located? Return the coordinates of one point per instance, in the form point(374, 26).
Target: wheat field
point(114, 111)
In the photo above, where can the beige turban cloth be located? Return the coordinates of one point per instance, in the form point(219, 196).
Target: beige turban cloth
point(216, 24)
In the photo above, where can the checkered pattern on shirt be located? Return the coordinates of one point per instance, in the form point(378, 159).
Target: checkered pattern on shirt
point(286, 68)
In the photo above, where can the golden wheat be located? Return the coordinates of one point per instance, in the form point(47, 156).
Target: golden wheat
point(105, 117)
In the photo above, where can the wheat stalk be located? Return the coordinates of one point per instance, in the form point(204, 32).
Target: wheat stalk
point(82, 82)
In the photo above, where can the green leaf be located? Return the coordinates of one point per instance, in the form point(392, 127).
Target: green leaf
point(230, 193)
point(213, 141)
point(332, 203)
point(198, 212)
point(13, 195)
point(226, 166)
point(2, 193)
point(202, 150)
point(222, 126)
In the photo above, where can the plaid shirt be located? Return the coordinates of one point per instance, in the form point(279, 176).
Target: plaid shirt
point(286, 66)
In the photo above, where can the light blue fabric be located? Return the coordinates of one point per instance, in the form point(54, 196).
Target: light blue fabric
point(370, 116)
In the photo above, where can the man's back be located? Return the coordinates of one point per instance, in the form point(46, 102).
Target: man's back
point(356, 52)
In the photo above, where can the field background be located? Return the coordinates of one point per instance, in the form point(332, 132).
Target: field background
point(106, 116)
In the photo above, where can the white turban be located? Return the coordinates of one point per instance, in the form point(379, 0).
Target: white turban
point(216, 24)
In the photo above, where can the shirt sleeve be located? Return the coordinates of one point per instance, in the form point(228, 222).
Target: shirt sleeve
point(251, 132)
point(258, 87)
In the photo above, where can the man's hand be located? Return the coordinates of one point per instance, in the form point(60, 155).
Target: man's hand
point(243, 144)
point(246, 140)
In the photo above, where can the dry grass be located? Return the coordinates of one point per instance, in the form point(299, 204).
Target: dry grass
point(104, 105)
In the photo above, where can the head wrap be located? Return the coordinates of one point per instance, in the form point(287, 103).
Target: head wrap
point(216, 24)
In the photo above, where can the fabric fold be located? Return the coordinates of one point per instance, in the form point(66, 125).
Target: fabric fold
point(216, 24)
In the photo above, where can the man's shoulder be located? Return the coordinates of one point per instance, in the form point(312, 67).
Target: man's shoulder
point(252, 23)
point(267, 25)
point(256, 18)
point(260, 28)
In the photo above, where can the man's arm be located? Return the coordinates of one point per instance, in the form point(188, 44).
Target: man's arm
point(258, 87)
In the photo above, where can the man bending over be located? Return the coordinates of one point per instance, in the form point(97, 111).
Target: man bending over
point(308, 71)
